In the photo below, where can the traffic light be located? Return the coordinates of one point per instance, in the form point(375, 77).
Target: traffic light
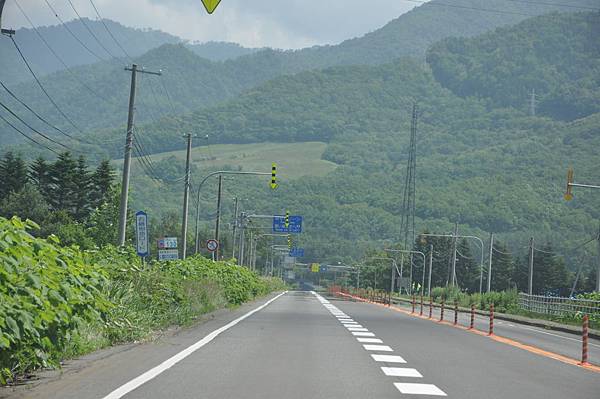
point(569, 193)
point(274, 184)
point(289, 240)
point(287, 219)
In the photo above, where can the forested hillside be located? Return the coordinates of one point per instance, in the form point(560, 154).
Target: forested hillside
point(557, 58)
point(193, 82)
point(134, 41)
point(489, 168)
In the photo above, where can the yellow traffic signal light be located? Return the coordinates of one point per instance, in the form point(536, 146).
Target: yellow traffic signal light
point(287, 219)
point(569, 192)
point(274, 176)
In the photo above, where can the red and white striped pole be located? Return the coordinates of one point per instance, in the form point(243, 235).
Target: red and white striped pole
point(472, 325)
point(413, 305)
point(584, 340)
point(491, 319)
point(442, 311)
point(421, 312)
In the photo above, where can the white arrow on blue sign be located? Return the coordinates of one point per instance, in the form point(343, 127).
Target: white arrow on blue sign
point(297, 252)
point(141, 233)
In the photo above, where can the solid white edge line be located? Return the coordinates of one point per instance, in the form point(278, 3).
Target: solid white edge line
point(172, 361)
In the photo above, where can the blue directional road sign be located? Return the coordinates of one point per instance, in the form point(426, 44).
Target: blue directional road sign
point(295, 226)
point(297, 252)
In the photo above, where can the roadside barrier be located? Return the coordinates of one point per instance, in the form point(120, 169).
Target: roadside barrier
point(584, 340)
point(442, 311)
point(472, 325)
point(430, 307)
point(491, 319)
point(455, 312)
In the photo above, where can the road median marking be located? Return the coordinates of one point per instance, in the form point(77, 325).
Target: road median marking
point(497, 338)
point(172, 361)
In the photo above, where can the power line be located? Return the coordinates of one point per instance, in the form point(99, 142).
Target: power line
point(45, 91)
point(109, 31)
point(90, 30)
point(435, 3)
point(30, 109)
point(27, 136)
point(55, 54)
point(31, 127)
point(73, 34)
point(541, 3)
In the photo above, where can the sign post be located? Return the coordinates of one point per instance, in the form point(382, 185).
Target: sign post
point(141, 234)
point(167, 249)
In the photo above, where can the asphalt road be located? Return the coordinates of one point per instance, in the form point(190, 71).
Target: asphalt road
point(304, 346)
point(558, 342)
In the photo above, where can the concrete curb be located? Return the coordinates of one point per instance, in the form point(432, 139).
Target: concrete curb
point(545, 324)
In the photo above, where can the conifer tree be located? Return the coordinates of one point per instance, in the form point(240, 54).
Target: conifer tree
point(62, 188)
point(502, 268)
point(83, 185)
point(102, 181)
point(39, 175)
point(13, 174)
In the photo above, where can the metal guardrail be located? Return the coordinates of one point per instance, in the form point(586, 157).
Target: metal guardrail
point(558, 306)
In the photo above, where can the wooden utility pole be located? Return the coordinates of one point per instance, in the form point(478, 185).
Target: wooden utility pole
point(127, 158)
point(186, 197)
point(218, 222)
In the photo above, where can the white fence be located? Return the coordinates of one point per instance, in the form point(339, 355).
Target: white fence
point(558, 306)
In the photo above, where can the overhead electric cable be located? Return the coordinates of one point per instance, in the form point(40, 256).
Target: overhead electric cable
point(31, 110)
point(45, 91)
point(436, 3)
point(86, 26)
point(32, 128)
point(59, 58)
point(27, 136)
point(109, 31)
point(542, 3)
point(72, 33)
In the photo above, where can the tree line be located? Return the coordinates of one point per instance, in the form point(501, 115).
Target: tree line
point(65, 197)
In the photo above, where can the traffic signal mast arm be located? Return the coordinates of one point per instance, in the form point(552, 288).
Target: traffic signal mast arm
point(571, 184)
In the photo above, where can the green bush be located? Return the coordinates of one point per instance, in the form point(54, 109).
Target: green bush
point(58, 302)
point(45, 292)
point(503, 301)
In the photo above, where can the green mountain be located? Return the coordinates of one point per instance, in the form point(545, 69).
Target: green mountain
point(557, 58)
point(491, 168)
point(220, 51)
point(194, 82)
point(134, 41)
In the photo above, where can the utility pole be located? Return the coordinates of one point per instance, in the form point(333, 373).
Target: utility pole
point(242, 237)
point(186, 197)
point(489, 280)
point(127, 158)
point(454, 248)
point(532, 103)
point(235, 222)
point(218, 222)
point(531, 249)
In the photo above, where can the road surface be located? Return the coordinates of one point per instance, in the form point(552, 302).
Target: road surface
point(301, 345)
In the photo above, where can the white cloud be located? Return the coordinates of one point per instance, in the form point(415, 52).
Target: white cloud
point(253, 23)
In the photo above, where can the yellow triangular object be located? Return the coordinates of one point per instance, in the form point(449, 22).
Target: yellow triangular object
point(211, 5)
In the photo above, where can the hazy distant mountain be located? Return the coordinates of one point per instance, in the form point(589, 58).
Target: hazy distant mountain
point(220, 51)
point(195, 82)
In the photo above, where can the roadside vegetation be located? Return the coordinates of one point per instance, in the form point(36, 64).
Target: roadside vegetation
point(57, 302)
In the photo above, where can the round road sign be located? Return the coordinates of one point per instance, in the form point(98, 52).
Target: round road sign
point(212, 245)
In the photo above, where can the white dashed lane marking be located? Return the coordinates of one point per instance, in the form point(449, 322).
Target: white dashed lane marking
point(361, 333)
point(401, 372)
point(378, 348)
point(370, 340)
point(419, 389)
point(388, 358)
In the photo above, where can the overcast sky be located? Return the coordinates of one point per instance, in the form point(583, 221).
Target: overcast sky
point(252, 23)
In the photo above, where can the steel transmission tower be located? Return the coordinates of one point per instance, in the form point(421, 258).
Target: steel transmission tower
point(407, 226)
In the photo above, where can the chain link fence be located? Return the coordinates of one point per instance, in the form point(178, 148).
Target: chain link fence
point(558, 306)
